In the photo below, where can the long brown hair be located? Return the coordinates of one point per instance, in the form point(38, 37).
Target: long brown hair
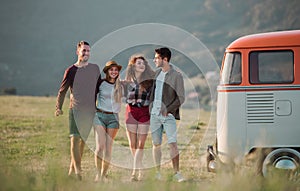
point(146, 77)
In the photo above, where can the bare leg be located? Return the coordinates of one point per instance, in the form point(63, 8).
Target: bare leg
point(110, 136)
point(157, 156)
point(100, 136)
point(71, 168)
point(141, 139)
point(132, 139)
point(131, 131)
point(174, 156)
point(75, 155)
point(81, 145)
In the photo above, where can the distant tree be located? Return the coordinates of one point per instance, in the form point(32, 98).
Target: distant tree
point(9, 91)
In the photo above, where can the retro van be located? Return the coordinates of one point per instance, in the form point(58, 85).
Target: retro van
point(258, 106)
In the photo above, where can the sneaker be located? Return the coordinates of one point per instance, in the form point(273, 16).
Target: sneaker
point(157, 176)
point(178, 177)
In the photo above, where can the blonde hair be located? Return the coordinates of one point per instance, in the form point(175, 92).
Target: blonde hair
point(146, 76)
point(118, 92)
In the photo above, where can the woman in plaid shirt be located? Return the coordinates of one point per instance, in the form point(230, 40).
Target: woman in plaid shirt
point(138, 83)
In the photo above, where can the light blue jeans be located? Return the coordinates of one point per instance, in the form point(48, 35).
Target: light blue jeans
point(159, 124)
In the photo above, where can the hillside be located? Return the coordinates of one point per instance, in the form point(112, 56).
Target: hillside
point(39, 36)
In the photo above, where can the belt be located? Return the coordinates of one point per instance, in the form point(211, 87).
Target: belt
point(137, 105)
point(106, 112)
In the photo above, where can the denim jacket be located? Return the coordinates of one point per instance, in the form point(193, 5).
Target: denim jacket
point(173, 93)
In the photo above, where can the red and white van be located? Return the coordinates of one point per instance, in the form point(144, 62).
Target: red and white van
point(258, 107)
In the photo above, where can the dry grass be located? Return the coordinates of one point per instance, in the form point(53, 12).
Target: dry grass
point(35, 155)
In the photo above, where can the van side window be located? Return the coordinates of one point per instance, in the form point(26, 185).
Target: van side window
point(231, 72)
point(271, 67)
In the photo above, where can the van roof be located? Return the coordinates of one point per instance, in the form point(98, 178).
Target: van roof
point(270, 39)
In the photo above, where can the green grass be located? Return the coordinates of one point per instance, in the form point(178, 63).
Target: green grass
point(34, 154)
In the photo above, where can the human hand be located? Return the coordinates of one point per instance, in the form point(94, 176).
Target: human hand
point(125, 82)
point(58, 112)
point(165, 114)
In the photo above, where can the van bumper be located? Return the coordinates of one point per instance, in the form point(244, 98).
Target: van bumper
point(211, 159)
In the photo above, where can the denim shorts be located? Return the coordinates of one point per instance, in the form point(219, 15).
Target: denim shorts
point(106, 120)
point(158, 124)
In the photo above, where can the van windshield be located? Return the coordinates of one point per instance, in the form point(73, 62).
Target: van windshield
point(231, 72)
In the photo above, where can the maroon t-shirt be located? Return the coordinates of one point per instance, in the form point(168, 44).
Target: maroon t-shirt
point(82, 83)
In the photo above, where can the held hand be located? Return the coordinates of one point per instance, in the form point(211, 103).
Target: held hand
point(58, 112)
point(125, 82)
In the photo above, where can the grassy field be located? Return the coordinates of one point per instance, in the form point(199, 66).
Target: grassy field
point(35, 154)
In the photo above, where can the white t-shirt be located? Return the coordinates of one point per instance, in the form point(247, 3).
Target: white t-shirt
point(105, 98)
point(158, 93)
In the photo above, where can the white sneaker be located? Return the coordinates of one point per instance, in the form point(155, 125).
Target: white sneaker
point(157, 176)
point(178, 177)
